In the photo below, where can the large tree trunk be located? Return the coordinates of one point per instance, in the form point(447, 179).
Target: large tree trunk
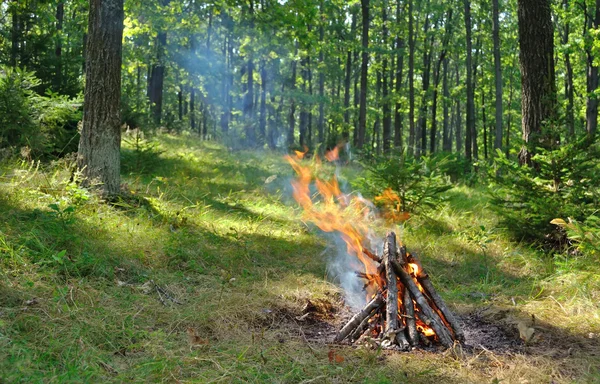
point(498, 73)
point(364, 68)
point(99, 146)
point(470, 128)
point(538, 102)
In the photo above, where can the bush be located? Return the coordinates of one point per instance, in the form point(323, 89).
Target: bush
point(418, 182)
point(563, 183)
point(41, 125)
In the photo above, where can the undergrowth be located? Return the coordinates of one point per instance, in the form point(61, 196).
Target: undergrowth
point(209, 240)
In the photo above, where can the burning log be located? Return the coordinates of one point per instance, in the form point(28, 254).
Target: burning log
point(439, 302)
point(391, 308)
point(427, 314)
point(357, 319)
point(407, 311)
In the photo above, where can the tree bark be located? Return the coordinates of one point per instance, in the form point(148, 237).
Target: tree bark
point(262, 125)
point(58, 75)
point(470, 89)
point(538, 102)
point(497, 72)
point(398, 126)
point(569, 93)
point(591, 105)
point(99, 146)
point(321, 121)
point(387, 116)
point(292, 115)
point(364, 68)
point(411, 80)
point(446, 134)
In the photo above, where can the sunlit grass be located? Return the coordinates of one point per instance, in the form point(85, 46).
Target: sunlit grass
point(205, 225)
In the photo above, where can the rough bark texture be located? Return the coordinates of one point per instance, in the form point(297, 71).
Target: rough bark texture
point(538, 101)
point(100, 142)
point(423, 278)
point(357, 319)
point(427, 314)
point(391, 307)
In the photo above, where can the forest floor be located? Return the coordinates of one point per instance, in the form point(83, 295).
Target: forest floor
point(200, 273)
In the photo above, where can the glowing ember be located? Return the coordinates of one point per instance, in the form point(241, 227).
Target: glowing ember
point(427, 331)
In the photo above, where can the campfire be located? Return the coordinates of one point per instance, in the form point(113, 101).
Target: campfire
point(406, 311)
point(403, 309)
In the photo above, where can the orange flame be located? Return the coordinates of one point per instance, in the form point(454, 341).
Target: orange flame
point(332, 211)
point(333, 155)
point(425, 330)
point(392, 205)
point(300, 155)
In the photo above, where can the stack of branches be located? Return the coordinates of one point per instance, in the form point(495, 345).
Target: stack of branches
point(406, 311)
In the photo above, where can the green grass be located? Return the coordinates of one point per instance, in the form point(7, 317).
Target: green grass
point(76, 305)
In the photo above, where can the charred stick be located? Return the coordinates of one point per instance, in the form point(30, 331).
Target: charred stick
point(437, 300)
point(411, 324)
point(371, 255)
point(359, 317)
point(391, 307)
point(362, 327)
point(429, 316)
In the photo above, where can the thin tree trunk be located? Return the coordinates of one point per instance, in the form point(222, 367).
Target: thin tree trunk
point(470, 90)
point(193, 109)
point(569, 93)
point(292, 115)
point(15, 35)
point(436, 80)
point(262, 125)
point(58, 75)
point(387, 114)
point(591, 110)
point(427, 54)
point(398, 128)
point(98, 156)
point(362, 120)
point(411, 80)
point(459, 140)
point(446, 134)
point(321, 122)
point(498, 73)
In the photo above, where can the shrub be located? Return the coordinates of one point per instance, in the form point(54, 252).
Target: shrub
point(44, 125)
point(563, 183)
point(418, 182)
